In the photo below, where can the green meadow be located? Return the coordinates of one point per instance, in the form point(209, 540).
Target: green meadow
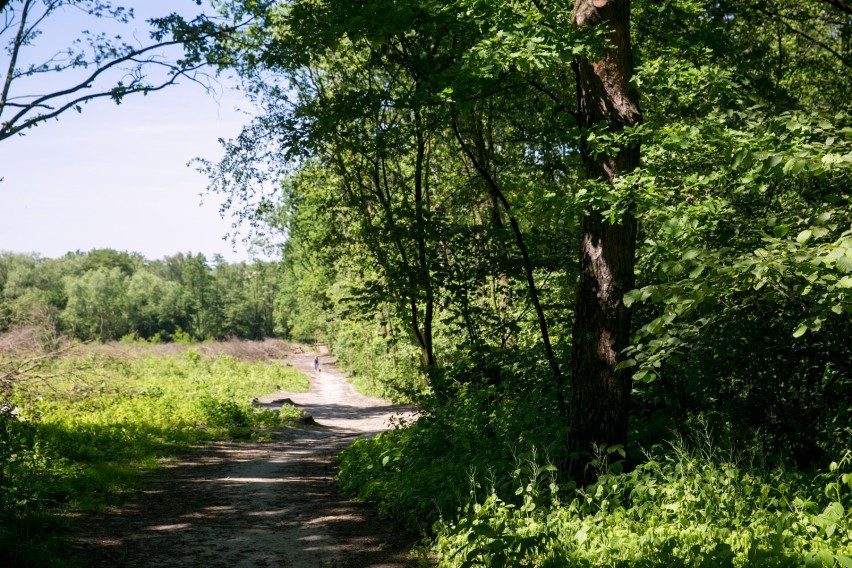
point(90, 425)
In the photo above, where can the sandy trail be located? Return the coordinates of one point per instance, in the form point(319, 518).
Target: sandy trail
point(260, 504)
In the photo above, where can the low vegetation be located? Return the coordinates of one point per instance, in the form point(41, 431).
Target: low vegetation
point(481, 477)
point(107, 415)
point(683, 507)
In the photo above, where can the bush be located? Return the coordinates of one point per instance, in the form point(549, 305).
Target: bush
point(682, 509)
point(476, 472)
point(497, 407)
point(28, 532)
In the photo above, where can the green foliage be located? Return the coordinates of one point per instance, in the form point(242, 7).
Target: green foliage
point(28, 533)
point(96, 306)
point(744, 266)
point(86, 438)
point(419, 201)
point(477, 469)
point(381, 367)
point(683, 508)
point(500, 406)
point(105, 295)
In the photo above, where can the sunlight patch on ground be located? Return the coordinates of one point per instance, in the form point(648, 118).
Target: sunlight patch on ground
point(257, 480)
point(174, 527)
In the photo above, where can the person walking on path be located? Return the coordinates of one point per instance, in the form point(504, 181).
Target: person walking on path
point(316, 363)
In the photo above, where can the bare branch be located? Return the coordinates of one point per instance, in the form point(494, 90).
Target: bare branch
point(25, 351)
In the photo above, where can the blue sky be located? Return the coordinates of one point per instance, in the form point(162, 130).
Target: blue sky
point(117, 176)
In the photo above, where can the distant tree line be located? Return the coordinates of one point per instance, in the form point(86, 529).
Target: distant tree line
point(106, 295)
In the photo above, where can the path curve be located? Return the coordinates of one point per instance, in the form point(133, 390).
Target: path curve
point(273, 503)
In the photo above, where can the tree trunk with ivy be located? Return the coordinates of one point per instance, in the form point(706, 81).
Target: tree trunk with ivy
point(600, 392)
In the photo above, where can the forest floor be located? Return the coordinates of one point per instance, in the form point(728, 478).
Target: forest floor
point(255, 504)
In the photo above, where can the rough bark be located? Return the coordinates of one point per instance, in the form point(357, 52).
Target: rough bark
point(600, 394)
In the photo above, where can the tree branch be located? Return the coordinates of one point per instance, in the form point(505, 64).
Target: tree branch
point(495, 189)
point(134, 62)
point(13, 59)
point(845, 61)
point(21, 121)
point(839, 5)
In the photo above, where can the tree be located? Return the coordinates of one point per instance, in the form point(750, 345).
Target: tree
point(97, 304)
point(409, 162)
point(96, 66)
point(153, 305)
point(197, 281)
point(600, 391)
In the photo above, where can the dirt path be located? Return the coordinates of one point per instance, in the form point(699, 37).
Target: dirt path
point(259, 504)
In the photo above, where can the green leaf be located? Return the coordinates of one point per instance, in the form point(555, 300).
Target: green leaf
point(631, 297)
point(803, 237)
point(800, 331)
point(780, 230)
point(833, 512)
point(644, 377)
point(819, 559)
point(771, 162)
point(696, 272)
point(822, 217)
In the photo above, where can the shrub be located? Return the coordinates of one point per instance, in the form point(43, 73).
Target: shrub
point(495, 409)
point(681, 509)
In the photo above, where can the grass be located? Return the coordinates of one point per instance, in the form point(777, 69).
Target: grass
point(98, 420)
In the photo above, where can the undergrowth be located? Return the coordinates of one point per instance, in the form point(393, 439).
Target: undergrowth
point(418, 473)
point(475, 474)
point(682, 508)
point(81, 440)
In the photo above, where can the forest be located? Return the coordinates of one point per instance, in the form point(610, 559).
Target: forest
point(107, 295)
point(605, 247)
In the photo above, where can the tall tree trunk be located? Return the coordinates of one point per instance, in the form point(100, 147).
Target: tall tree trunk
point(600, 394)
point(424, 276)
